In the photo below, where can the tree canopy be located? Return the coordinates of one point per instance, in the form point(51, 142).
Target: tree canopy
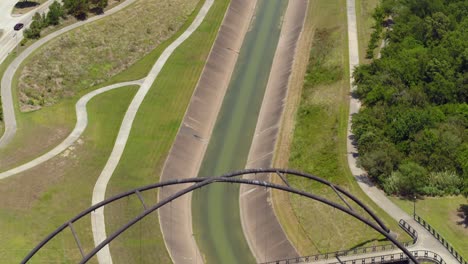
point(412, 129)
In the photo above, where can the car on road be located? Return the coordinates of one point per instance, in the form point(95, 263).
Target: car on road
point(18, 26)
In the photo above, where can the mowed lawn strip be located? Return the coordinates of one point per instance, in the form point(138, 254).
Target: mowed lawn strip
point(151, 138)
point(448, 215)
point(365, 23)
point(60, 188)
point(35, 132)
point(319, 144)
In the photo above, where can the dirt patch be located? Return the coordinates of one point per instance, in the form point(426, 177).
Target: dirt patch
point(91, 54)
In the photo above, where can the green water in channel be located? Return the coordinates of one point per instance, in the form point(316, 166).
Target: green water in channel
point(216, 217)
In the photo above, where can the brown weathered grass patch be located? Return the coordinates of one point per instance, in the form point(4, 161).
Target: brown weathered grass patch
point(91, 54)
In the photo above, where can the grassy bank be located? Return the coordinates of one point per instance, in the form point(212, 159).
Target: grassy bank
point(153, 133)
point(60, 188)
point(448, 215)
point(319, 143)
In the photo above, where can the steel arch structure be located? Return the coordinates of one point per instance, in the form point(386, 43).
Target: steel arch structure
point(200, 182)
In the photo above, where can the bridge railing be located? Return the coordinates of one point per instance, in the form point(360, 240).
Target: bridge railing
point(341, 253)
point(387, 258)
point(356, 251)
point(409, 229)
point(441, 239)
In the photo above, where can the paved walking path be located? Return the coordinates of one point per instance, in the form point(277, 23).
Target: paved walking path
point(81, 123)
point(97, 217)
point(7, 79)
point(425, 239)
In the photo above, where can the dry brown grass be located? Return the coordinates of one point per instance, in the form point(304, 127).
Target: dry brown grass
point(91, 54)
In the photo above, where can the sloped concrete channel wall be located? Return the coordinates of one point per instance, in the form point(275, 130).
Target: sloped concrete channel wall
point(189, 147)
point(264, 233)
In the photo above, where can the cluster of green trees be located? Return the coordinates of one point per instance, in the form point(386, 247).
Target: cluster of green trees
point(56, 11)
point(80, 8)
point(412, 130)
point(77, 8)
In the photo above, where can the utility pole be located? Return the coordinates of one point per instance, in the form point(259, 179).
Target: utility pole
point(414, 206)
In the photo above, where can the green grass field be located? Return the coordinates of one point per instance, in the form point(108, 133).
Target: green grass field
point(60, 188)
point(446, 215)
point(319, 144)
point(153, 133)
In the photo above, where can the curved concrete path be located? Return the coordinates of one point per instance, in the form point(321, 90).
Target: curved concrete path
point(425, 239)
point(97, 217)
point(6, 92)
point(81, 123)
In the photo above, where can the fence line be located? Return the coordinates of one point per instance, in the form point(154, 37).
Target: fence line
point(356, 251)
point(425, 255)
point(441, 239)
point(409, 229)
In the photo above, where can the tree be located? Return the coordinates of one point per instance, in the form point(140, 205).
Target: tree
point(77, 8)
point(99, 5)
point(55, 12)
point(34, 31)
point(415, 96)
point(408, 180)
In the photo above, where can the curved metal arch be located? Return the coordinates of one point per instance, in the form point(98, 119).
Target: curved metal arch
point(227, 178)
